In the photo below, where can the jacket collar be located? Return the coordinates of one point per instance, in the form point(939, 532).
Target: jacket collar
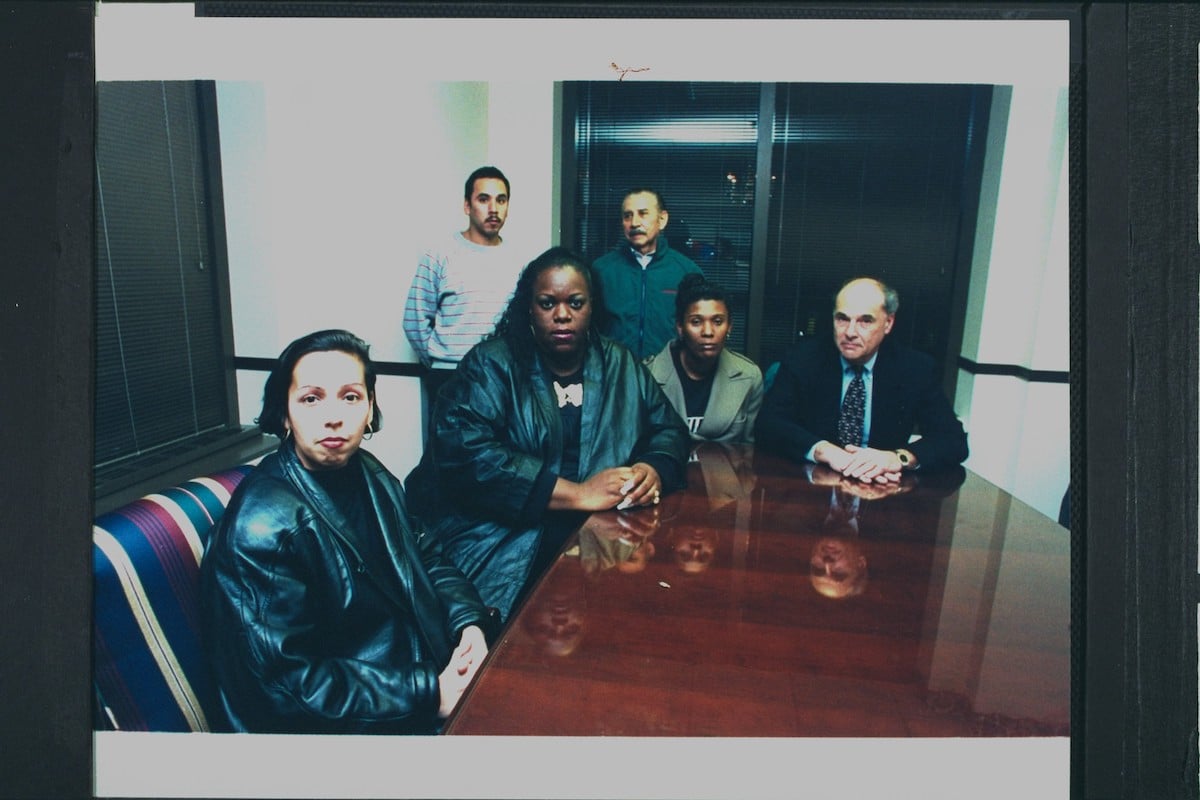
point(384, 508)
point(660, 252)
point(316, 497)
point(725, 400)
point(663, 366)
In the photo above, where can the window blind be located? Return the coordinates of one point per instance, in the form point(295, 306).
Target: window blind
point(161, 374)
point(694, 143)
point(865, 179)
point(876, 180)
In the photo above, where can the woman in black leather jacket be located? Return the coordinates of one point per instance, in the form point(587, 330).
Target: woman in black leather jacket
point(324, 611)
point(541, 424)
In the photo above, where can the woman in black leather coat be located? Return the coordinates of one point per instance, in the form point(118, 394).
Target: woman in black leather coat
point(324, 611)
point(541, 424)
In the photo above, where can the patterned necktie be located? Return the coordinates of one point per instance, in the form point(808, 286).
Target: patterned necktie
point(850, 422)
point(843, 511)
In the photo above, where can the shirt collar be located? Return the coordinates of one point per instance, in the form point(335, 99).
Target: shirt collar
point(643, 260)
point(868, 367)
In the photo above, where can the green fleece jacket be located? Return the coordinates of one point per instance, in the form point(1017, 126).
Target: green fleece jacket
point(640, 303)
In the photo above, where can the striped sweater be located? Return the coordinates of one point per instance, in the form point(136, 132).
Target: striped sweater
point(456, 298)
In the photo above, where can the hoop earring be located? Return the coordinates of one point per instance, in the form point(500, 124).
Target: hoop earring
point(369, 433)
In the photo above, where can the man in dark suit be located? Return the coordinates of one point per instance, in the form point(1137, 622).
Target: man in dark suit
point(808, 413)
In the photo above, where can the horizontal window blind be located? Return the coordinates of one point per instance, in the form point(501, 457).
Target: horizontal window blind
point(865, 179)
point(695, 144)
point(160, 366)
point(871, 180)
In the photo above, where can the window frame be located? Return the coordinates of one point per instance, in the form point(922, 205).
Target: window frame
point(753, 325)
point(134, 474)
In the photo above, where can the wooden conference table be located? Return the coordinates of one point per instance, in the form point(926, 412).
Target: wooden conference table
point(769, 600)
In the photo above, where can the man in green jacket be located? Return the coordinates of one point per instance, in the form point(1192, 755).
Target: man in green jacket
point(638, 280)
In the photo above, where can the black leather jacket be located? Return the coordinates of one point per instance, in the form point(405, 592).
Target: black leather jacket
point(303, 636)
point(497, 428)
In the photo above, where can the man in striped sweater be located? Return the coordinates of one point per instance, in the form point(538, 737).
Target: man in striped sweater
point(461, 286)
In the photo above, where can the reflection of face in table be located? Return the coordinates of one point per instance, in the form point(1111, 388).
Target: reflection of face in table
point(696, 534)
point(838, 567)
point(693, 548)
point(555, 616)
point(832, 528)
point(964, 619)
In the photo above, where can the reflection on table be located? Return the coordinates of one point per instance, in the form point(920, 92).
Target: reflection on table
point(776, 599)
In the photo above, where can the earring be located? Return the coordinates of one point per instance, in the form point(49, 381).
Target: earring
point(369, 432)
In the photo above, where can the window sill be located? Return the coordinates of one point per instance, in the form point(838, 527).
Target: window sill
point(115, 488)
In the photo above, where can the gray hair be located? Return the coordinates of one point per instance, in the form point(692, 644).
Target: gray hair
point(891, 300)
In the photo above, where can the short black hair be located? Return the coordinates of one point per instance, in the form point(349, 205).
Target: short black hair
point(484, 172)
point(692, 289)
point(273, 417)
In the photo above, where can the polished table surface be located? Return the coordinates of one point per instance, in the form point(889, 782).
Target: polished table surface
point(772, 599)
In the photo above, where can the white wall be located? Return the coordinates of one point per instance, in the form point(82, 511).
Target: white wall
point(1018, 303)
point(979, 626)
point(335, 186)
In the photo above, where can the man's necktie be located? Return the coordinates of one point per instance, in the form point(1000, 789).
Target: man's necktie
point(843, 512)
point(850, 422)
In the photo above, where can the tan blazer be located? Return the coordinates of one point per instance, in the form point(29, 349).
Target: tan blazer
point(737, 394)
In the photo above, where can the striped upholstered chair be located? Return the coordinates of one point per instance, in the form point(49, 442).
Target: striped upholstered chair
point(149, 667)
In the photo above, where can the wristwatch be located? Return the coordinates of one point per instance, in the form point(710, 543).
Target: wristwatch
point(906, 458)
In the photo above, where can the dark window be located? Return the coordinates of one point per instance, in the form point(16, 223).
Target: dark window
point(164, 381)
point(863, 179)
point(876, 180)
point(695, 144)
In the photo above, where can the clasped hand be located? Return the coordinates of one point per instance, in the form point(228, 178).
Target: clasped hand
point(823, 475)
point(867, 464)
point(623, 487)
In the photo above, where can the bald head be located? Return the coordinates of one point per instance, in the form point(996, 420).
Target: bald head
point(870, 287)
point(863, 314)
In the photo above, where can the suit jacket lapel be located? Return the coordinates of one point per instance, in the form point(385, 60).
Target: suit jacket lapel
point(543, 396)
point(829, 388)
point(593, 401)
point(664, 373)
point(885, 392)
point(728, 392)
